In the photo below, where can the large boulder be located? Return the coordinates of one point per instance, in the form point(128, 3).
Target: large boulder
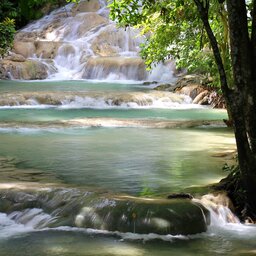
point(176, 217)
point(77, 208)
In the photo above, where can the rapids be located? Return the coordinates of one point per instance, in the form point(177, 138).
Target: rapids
point(80, 42)
point(89, 155)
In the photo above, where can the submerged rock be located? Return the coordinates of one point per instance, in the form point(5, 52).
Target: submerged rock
point(77, 208)
point(143, 216)
point(180, 196)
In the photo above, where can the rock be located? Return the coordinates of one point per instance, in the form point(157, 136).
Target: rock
point(150, 82)
point(196, 87)
point(26, 49)
point(192, 90)
point(89, 21)
point(200, 97)
point(111, 41)
point(77, 208)
point(26, 70)
point(101, 67)
point(193, 79)
point(86, 6)
point(180, 195)
point(175, 217)
point(204, 101)
point(16, 57)
point(165, 87)
point(46, 49)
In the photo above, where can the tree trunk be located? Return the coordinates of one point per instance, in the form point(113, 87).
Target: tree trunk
point(242, 100)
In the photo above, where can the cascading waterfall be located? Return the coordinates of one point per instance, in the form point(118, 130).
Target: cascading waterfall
point(80, 42)
point(54, 208)
point(80, 174)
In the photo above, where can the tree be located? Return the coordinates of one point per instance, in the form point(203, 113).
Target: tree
point(176, 26)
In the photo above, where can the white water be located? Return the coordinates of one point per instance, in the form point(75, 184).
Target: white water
point(35, 220)
point(71, 100)
point(79, 103)
point(85, 44)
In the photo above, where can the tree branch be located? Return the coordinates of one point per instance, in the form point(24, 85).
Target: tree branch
point(203, 12)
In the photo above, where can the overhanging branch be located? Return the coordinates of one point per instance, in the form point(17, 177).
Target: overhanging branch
point(203, 12)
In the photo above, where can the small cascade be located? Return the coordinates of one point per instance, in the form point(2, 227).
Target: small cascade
point(100, 100)
point(54, 208)
point(80, 42)
point(220, 209)
point(34, 218)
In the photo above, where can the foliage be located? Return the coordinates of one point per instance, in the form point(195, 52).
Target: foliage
point(7, 31)
point(173, 29)
point(7, 9)
point(23, 11)
point(232, 184)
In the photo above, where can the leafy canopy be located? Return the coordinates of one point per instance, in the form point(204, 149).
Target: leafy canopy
point(174, 29)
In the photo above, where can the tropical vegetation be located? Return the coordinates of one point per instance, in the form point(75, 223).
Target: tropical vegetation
point(194, 33)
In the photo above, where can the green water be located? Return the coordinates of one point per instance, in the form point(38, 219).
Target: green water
point(53, 114)
point(82, 85)
point(129, 161)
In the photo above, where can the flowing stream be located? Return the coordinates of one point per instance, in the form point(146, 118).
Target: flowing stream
point(89, 155)
point(61, 159)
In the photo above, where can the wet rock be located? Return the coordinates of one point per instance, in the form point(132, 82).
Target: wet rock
point(143, 216)
point(198, 89)
point(89, 21)
point(46, 49)
point(16, 57)
point(27, 70)
point(165, 87)
point(200, 97)
point(112, 40)
point(150, 82)
point(86, 6)
point(26, 49)
point(77, 208)
point(180, 195)
point(101, 67)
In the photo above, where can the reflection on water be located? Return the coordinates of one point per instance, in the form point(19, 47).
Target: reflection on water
point(73, 242)
point(124, 160)
point(134, 161)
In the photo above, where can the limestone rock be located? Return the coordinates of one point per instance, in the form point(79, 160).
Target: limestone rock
point(46, 49)
point(200, 97)
point(192, 90)
point(27, 70)
point(128, 67)
point(26, 49)
point(15, 57)
point(122, 214)
point(86, 6)
point(196, 87)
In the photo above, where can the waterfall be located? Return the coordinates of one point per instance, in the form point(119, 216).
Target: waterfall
point(220, 209)
point(52, 208)
point(80, 42)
